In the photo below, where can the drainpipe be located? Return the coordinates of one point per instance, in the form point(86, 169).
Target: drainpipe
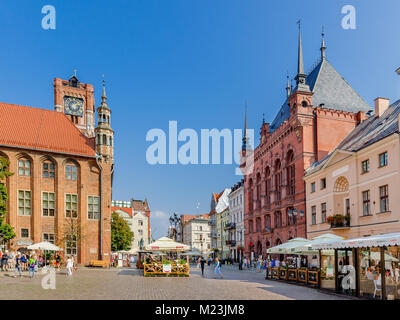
point(315, 135)
point(101, 206)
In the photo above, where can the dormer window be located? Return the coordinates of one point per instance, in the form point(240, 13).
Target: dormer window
point(73, 81)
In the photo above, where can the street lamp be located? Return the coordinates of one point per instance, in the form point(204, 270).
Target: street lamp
point(294, 213)
point(174, 220)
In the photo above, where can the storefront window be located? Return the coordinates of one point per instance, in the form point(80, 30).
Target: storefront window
point(328, 269)
point(346, 272)
point(392, 273)
point(370, 273)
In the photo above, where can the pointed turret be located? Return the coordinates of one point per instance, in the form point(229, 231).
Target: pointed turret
point(104, 133)
point(323, 47)
point(301, 76)
point(288, 91)
point(245, 138)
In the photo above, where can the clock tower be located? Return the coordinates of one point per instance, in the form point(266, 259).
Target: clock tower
point(76, 101)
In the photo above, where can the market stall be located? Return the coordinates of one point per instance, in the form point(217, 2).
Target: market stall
point(165, 257)
point(46, 247)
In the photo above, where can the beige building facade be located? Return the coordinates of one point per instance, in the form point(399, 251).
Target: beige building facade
point(353, 192)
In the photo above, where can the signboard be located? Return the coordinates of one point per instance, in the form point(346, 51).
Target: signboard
point(302, 275)
point(275, 273)
point(313, 277)
point(24, 242)
point(282, 273)
point(166, 268)
point(292, 274)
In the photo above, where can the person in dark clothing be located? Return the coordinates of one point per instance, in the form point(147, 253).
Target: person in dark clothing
point(202, 263)
point(4, 261)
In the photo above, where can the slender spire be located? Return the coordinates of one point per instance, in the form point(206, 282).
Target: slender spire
point(263, 119)
point(301, 76)
point(287, 84)
point(323, 47)
point(244, 140)
point(104, 97)
point(300, 66)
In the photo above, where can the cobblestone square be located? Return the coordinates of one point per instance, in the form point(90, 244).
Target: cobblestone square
point(129, 284)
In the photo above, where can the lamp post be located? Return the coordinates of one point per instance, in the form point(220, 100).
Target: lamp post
point(174, 220)
point(294, 213)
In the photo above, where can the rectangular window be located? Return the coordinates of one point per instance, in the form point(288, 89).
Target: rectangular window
point(383, 159)
point(71, 245)
point(140, 231)
point(366, 203)
point(24, 203)
point(24, 233)
point(323, 212)
point(71, 205)
point(323, 183)
point(313, 187)
point(48, 170)
point(24, 167)
point(347, 206)
point(71, 172)
point(49, 237)
point(140, 222)
point(93, 208)
point(365, 166)
point(314, 215)
point(48, 204)
point(384, 198)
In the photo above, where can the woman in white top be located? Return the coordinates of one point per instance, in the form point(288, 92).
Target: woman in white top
point(70, 265)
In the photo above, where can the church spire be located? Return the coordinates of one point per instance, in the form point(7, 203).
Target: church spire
point(288, 91)
point(244, 140)
point(104, 97)
point(301, 76)
point(323, 47)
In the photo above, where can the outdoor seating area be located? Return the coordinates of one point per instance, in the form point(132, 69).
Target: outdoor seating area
point(363, 267)
point(165, 257)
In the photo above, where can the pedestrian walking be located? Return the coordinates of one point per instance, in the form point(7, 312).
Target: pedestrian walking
point(202, 263)
point(4, 261)
point(58, 259)
point(18, 265)
point(32, 266)
point(70, 265)
point(245, 263)
point(217, 268)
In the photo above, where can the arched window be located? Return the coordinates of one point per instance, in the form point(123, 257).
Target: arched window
point(24, 167)
point(278, 219)
point(250, 195)
point(290, 173)
point(104, 139)
point(110, 141)
point(48, 169)
point(267, 221)
point(278, 179)
point(71, 171)
point(341, 185)
point(258, 190)
point(98, 139)
point(250, 226)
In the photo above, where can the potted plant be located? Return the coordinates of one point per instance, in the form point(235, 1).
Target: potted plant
point(331, 220)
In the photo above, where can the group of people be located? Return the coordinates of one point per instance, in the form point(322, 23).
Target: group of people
point(30, 261)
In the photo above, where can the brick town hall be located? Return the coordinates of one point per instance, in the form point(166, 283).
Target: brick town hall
point(63, 169)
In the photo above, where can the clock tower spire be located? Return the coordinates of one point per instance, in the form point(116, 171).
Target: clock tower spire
point(75, 99)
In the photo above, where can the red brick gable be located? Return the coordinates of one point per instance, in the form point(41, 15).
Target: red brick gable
point(41, 129)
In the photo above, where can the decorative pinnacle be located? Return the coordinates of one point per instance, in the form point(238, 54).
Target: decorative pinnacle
point(104, 97)
point(323, 47)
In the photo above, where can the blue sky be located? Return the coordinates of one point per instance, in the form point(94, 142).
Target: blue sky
point(191, 61)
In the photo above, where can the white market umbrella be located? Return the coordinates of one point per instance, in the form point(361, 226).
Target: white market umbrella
point(323, 239)
point(166, 244)
point(47, 246)
point(288, 247)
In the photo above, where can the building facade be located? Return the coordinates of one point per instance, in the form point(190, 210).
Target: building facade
point(236, 223)
point(137, 215)
point(316, 115)
point(197, 234)
point(63, 167)
point(353, 192)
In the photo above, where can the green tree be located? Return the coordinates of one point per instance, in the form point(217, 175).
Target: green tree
point(6, 231)
point(121, 234)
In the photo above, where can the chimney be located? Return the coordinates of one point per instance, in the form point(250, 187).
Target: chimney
point(381, 105)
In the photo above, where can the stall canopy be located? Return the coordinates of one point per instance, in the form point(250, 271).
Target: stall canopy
point(389, 239)
point(166, 244)
point(327, 238)
point(286, 248)
point(44, 246)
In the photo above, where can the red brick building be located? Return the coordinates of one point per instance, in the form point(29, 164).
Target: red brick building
point(314, 118)
point(63, 166)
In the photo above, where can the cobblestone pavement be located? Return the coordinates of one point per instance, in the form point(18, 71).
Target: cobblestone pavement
point(130, 284)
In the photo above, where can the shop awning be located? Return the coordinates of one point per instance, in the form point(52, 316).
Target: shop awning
point(44, 246)
point(166, 244)
point(389, 239)
point(286, 248)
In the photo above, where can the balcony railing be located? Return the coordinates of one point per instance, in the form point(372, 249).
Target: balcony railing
point(231, 243)
point(230, 225)
point(211, 223)
point(345, 224)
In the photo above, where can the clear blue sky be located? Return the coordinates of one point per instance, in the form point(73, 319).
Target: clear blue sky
point(191, 61)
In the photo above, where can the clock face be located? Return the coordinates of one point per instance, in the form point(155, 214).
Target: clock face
point(73, 106)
